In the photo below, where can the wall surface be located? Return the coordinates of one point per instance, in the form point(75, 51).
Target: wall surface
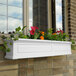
point(48, 66)
point(72, 19)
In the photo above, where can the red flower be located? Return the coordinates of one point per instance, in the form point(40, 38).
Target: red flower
point(60, 31)
point(32, 32)
point(36, 27)
point(33, 29)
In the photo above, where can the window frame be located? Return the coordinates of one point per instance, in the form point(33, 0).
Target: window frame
point(52, 20)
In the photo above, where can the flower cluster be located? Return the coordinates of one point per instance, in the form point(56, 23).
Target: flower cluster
point(36, 34)
point(58, 32)
point(59, 35)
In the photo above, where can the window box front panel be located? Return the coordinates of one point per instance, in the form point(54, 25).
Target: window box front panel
point(30, 48)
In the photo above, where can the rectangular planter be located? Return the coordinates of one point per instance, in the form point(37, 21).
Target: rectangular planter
point(30, 48)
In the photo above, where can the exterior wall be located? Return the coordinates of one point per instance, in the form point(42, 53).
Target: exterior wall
point(49, 66)
point(72, 19)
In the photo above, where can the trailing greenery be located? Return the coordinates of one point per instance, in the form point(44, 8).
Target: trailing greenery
point(13, 36)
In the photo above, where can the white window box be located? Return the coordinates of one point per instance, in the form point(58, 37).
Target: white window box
point(30, 48)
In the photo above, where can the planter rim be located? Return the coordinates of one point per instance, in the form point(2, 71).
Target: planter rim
point(38, 40)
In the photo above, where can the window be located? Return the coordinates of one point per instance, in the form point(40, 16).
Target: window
point(57, 15)
point(41, 13)
point(59, 24)
point(45, 15)
point(11, 15)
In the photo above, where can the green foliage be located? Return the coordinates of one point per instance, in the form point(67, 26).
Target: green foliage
point(20, 34)
point(4, 47)
point(10, 43)
point(73, 42)
point(3, 37)
point(73, 47)
point(50, 31)
point(14, 36)
point(1, 48)
point(18, 29)
point(56, 36)
point(36, 36)
point(23, 28)
point(8, 50)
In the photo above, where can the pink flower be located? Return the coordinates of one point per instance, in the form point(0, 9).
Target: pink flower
point(33, 29)
point(60, 31)
point(32, 32)
point(36, 27)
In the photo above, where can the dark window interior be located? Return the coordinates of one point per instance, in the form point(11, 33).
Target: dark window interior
point(40, 14)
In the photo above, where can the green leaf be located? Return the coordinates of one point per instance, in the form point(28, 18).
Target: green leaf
point(18, 29)
point(73, 42)
point(46, 36)
point(16, 38)
point(50, 30)
point(73, 47)
point(8, 50)
point(10, 43)
point(23, 28)
point(1, 48)
point(12, 35)
point(5, 42)
point(3, 37)
point(36, 35)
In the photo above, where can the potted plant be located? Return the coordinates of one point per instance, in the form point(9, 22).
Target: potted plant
point(35, 44)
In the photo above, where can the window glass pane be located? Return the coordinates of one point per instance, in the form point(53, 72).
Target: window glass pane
point(15, 12)
point(30, 13)
point(15, 2)
point(3, 9)
point(3, 24)
point(3, 1)
point(59, 14)
point(13, 23)
point(12, 18)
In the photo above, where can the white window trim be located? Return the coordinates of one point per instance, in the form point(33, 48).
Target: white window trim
point(26, 15)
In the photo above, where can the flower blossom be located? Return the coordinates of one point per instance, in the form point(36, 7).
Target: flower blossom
point(33, 29)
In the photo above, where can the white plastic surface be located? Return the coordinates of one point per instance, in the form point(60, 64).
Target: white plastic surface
point(30, 48)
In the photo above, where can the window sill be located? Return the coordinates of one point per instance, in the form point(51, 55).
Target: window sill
point(30, 48)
